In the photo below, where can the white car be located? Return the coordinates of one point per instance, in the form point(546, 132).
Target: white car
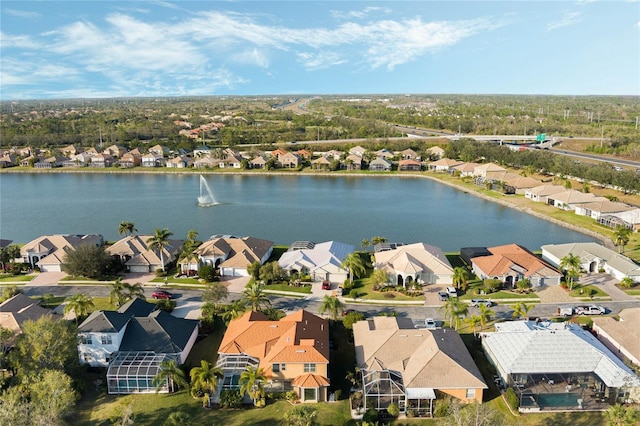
point(590, 310)
point(451, 291)
point(430, 324)
point(477, 302)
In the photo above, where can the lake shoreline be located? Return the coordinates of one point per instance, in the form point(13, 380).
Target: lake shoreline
point(602, 238)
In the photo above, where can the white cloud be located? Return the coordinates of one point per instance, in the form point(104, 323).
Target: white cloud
point(319, 60)
point(21, 13)
point(569, 18)
point(359, 14)
point(251, 57)
point(21, 42)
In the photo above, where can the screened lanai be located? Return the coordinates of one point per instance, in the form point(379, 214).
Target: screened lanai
point(133, 372)
point(232, 366)
point(383, 388)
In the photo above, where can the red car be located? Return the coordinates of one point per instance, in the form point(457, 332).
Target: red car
point(162, 294)
point(326, 285)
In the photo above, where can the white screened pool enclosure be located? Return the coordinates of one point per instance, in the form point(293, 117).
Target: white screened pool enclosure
point(133, 372)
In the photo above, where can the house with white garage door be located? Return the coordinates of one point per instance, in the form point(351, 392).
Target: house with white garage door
point(48, 251)
point(419, 262)
point(322, 261)
point(136, 256)
point(232, 255)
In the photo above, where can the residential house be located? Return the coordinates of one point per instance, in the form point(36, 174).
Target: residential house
point(18, 309)
point(159, 150)
point(178, 162)
point(353, 162)
point(303, 153)
point(511, 263)
point(418, 262)
point(101, 161)
point(232, 255)
point(333, 154)
point(435, 152)
point(258, 163)
point(115, 151)
point(629, 219)
point(8, 160)
point(570, 199)
point(48, 251)
point(70, 150)
point(444, 165)
point(621, 335)
point(358, 151)
point(152, 160)
point(136, 256)
point(204, 163)
point(409, 165)
point(129, 160)
point(383, 153)
point(409, 154)
point(289, 160)
point(202, 151)
point(231, 162)
point(293, 353)
point(322, 261)
point(320, 163)
point(542, 359)
point(29, 161)
point(520, 184)
point(406, 367)
point(50, 162)
point(380, 165)
point(464, 169)
point(594, 257)
point(483, 169)
point(132, 342)
point(540, 193)
point(601, 206)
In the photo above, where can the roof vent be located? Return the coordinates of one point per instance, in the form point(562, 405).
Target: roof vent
point(300, 351)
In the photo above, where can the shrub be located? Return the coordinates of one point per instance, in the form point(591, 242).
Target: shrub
point(292, 396)
point(277, 395)
point(347, 285)
point(442, 408)
point(389, 296)
point(393, 410)
point(337, 394)
point(353, 293)
point(350, 318)
point(370, 416)
point(207, 272)
point(166, 305)
point(231, 398)
point(491, 285)
point(512, 398)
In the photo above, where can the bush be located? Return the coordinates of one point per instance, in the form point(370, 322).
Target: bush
point(353, 293)
point(393, 410)
point(231, 398)
point(207, 272)
point(350, 318)
point(347, 285)
point(277, 395)
point(166, 305)
point(337, 394)
point(491, 285)
point(512, 399)
point(442, 408)
point(370, 416)
point(389, 296)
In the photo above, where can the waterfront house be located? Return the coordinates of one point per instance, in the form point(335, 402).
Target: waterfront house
point(204, 163)
point(70, 150)
point(231, 162)
point(384, 153)
point(482, 169)
point(293, 353)
point(8, 160)
point(258, 163)
point(152, 160)
point(601, 206)
point(320, 163)
point(418, 262)
point(159, 150)
point(409, 154)
point(202, 151)
point(594, 257)
point(232, 255)
point(621, 335)
point(101, 161)
point(48, 251)
point(409, 165)
point(380, 165)
point(358, 151)
point(353, 162)
point(543, 360)
point(178, 162)
point(129, 160)
point(132, 342)
point(322, 261)
point(510, 263)
point(540, 193)
point(444, 165)
point(464, 169)
point(18, 309)
point(289, 160)
point(435, 152)
point(629, 219)
point(570, 199)
point(115, 151)
point(136, 256)
point(50, 162)
point(407, 366)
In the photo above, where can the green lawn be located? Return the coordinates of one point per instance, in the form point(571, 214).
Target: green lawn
point(287, 287)
point(500, 295)
point(15, 278)
point(585, 291)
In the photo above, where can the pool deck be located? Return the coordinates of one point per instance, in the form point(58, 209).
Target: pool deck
point(590, 399)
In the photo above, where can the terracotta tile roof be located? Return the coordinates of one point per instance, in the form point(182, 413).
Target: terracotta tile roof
point(510, 256)
point(310, 381)
point(300, 337)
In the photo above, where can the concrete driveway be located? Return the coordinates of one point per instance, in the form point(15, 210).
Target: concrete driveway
point(608, 284)
point(46, 279)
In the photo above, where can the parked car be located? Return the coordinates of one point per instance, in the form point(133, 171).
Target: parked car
point(590, 310)
point(162, 294)
point(430, 323)
point(326, 285)
point(443, 296)
point(451, 291)
point(477, 302)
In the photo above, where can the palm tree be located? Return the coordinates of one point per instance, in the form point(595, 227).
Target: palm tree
point(571, 264)
point(255, 296)
point(159, 241)
point(485, 315)
point(378, 277)
point(233, 310)
point(521, 309)
point(169, 374)
point(133, 290)
point(627, 282)
point(126, 228)
point(621, 236)
point(252, 382)
point(80, 304)
point(473, 321)
point(378, 240)
point(117, 296)
point(192, 234)
point(365, 244)
point(206, 377)
point(331, 304)
point(454, 310)
point(354, 264)
point(460, 277)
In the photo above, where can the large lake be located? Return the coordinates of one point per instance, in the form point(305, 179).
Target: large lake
point(282, 209)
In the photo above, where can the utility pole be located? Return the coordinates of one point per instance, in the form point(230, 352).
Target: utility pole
point(602, 137)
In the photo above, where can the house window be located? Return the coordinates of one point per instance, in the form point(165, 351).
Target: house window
point(310, 394)
point(86, 339)
point(471, 393)
point(105, 339)
point(309, 368)
point(87, 358)
point(276, 368)
point(283, 367)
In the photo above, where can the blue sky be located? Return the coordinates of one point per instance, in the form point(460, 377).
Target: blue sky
point(87, 49)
